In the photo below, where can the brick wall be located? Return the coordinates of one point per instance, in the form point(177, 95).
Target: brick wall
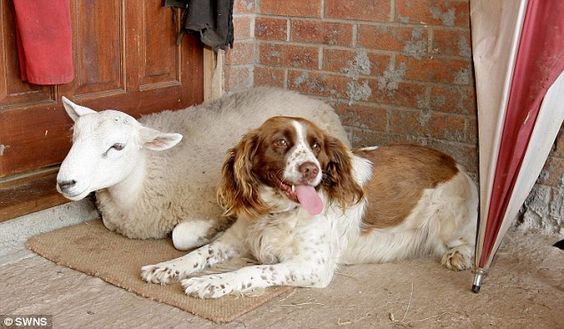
point(395, 70)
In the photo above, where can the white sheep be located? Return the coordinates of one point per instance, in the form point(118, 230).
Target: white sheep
point(144, 187)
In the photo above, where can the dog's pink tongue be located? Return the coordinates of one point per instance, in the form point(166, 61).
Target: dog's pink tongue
point(309, 199)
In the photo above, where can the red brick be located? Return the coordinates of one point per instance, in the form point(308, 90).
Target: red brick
point(319, 84)
point(321, 32)
point(448, 127)
point(338, 60)
point(466, 155)
point(366, 10)
point(407, 123)
point(364, 137)
point(391, 37)
point(269, 76)
point(343, 61)
point(434, 12)
point(241, 53)
point(407, 126)
point(378, 63)
point(472, 130)
point(454, 99)
point(407, 94)
point(452, 71)
point(300, 8)
point(364, 117)
point(242, 27)
point(288, 55)
point(451, 43)
point(406, 139)
point(244, 6)
point(238, 78)
point(267, 28)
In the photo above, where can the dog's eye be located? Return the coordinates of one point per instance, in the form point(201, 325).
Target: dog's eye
point(316, 147)
point(282, 143)
point(118, 146)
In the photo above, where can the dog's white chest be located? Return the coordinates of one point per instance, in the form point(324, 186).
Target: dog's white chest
point(273, 238)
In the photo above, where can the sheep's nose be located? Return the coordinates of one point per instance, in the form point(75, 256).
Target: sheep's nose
point(66, 185)
point(308, 170)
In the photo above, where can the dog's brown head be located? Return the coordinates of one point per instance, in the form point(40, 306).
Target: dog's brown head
point(293, 157)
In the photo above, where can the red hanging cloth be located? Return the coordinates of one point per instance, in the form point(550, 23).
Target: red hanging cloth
point(44, 38)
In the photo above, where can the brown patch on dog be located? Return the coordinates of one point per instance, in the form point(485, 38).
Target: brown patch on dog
point(238, 187)
point(400, 173)
point(338, 180)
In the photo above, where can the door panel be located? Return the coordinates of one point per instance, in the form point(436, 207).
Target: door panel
point(125, 58)
point(101, 38)
point(160, 59)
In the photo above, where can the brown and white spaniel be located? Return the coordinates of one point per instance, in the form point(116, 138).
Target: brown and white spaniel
point(305, 203)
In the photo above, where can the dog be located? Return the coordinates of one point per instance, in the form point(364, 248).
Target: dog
point(305, 204)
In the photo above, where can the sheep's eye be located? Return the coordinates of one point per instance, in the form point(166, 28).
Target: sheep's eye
point(281, 143)
point(118, 146)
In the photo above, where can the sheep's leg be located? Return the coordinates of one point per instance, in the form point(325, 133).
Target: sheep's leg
point(191, 234)
point(227, 246)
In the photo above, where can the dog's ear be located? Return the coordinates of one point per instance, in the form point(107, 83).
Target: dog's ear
point(338, 178)
point(238, 187)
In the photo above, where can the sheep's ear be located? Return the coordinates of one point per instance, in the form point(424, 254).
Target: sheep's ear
point(158, 141)
point(75, 111)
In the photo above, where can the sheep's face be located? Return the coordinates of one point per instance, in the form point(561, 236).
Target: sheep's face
point(107, 147)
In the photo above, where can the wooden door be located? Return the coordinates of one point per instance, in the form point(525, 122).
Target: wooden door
point(125, 58)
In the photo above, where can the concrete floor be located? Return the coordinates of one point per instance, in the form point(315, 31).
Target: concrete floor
point(525, 289)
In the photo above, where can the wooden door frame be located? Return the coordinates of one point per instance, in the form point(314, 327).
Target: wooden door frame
point(213, 74)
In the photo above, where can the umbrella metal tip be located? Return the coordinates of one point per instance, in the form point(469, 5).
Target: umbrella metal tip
point(479, 275)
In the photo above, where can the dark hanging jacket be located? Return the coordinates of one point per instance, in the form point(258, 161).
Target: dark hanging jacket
point(213, 20)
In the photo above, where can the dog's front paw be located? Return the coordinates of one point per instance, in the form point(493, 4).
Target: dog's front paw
point(162, 273)
point(208, 286)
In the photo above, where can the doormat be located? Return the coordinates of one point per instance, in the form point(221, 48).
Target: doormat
point(92, 249)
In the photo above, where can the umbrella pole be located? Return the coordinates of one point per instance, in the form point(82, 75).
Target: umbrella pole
point(478, 276)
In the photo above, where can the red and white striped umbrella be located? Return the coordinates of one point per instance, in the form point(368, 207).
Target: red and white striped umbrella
point(518, 52)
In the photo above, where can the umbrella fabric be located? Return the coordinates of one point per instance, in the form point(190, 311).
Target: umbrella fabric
point(515, 131)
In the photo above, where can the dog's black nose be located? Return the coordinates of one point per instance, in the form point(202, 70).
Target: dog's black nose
point(65, 185)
